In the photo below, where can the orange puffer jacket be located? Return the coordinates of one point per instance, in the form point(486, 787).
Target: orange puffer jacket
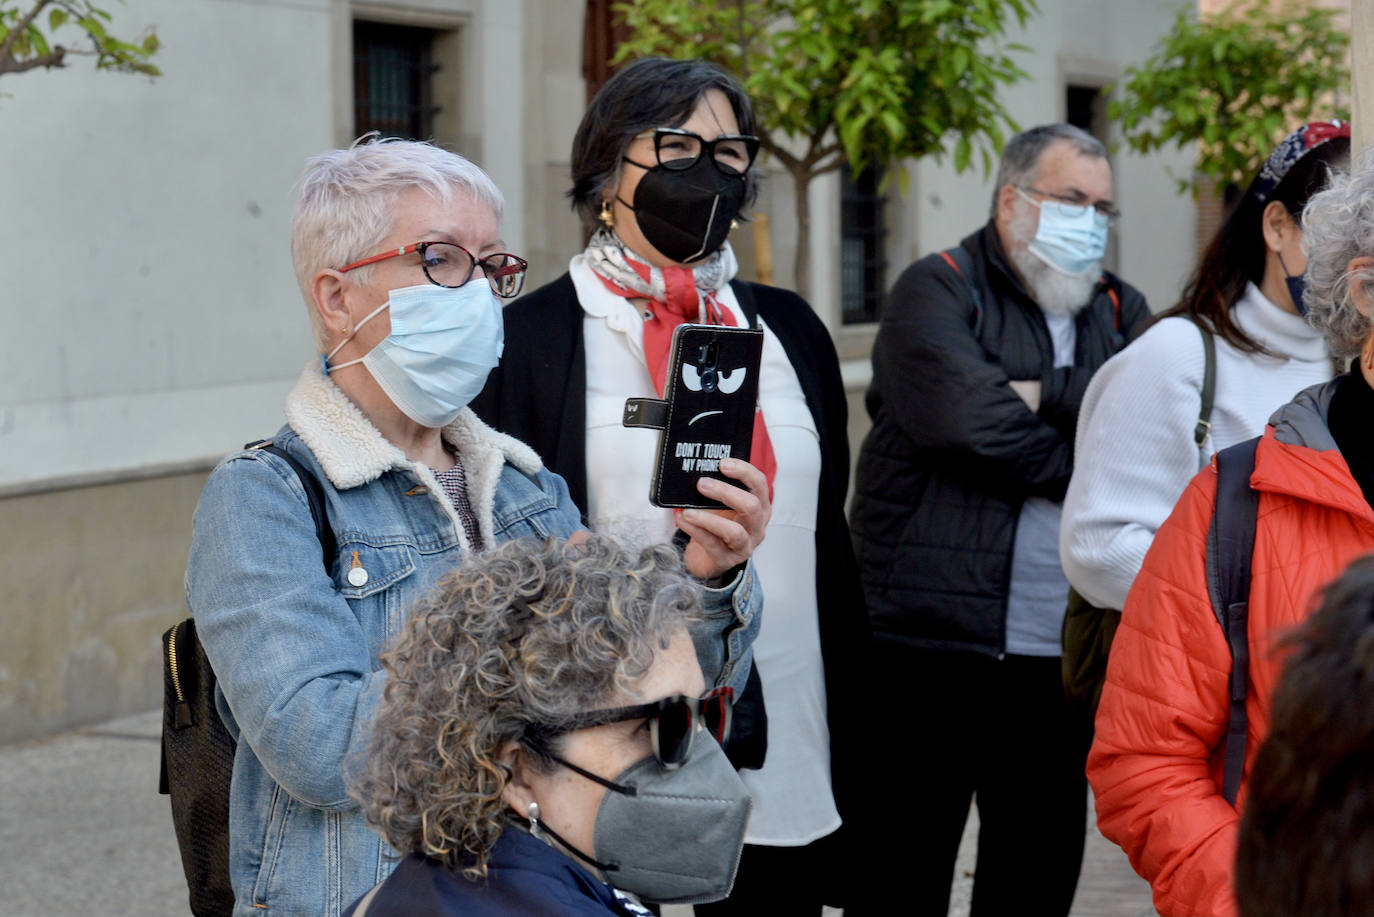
point(1156, 763)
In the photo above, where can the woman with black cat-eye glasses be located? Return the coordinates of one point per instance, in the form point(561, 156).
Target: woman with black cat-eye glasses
point(664, 167)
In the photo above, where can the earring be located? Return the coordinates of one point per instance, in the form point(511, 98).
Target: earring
point(734, 224)
point(1368, 354)
point(606, 215)
point(534, 821)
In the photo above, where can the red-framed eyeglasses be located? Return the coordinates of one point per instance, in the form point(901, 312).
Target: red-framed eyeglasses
point(448, 264)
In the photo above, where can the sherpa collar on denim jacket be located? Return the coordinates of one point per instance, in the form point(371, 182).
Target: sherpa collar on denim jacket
point(352, 452)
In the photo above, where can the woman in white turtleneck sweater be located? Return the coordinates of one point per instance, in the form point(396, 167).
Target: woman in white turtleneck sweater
point(1135, 450)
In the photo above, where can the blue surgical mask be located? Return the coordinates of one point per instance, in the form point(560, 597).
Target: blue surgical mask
point(1297, 283)
point(443, 344)
point(1071, 238)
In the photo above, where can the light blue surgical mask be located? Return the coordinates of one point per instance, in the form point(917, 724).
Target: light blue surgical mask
point(1071, 238)
point(443, 344)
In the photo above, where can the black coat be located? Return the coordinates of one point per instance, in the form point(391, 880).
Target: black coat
point(526, 878)
point(954, 451)
point(539, 395)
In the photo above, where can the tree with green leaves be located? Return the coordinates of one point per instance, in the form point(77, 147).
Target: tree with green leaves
point(30, 40)
point(1235, 83)
point(863, 82)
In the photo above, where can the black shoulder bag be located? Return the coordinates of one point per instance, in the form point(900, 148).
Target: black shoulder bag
point(197, 749)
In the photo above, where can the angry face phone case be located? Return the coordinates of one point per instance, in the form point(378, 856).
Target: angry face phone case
point(707, 411)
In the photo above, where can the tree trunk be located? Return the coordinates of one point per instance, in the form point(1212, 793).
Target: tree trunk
point(801, 265)
point(1361, 79)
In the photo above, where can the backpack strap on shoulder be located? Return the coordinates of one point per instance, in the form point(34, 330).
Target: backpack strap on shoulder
point(314, 495)
point(958, 258)
point(1230, 549)
point(1115, 297)
point(197, 749)
point(1209, 386)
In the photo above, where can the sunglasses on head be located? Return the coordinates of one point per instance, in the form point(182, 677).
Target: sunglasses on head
point(672, 721)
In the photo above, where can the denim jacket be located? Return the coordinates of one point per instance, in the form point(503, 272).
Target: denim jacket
point(295, 646)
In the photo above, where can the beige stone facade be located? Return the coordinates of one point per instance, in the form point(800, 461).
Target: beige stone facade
point(152, 318)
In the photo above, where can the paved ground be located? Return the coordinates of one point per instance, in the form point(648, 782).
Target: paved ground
point(83, 831)
point(1107, 887)
point(82, 828)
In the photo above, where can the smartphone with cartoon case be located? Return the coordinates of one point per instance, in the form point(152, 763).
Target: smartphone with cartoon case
point(707, 410)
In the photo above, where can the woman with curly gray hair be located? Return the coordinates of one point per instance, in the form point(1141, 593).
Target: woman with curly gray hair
point(1158, 765)
point(542, 746)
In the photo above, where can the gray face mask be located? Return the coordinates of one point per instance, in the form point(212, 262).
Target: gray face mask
point(670, 836)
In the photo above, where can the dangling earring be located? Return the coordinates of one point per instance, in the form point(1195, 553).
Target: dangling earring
point(1368, 354)
point(607, 215)
point(534, 821)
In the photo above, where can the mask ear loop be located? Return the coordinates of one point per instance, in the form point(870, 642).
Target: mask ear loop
point(542, 831)
point(325, 358)
point(1286, 275)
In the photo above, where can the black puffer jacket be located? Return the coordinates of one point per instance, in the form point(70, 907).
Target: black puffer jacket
point(954, 451)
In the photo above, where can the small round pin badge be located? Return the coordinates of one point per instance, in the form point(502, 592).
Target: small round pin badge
point(357, 576)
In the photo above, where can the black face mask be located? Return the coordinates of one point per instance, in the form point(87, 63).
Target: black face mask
point(686, 214)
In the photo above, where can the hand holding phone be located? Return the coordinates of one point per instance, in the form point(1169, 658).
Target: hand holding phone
point(722, 539)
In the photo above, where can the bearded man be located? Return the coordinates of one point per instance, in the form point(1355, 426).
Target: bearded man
point(981, 359)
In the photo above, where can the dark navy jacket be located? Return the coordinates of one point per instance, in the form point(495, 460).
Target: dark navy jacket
point(525, 878)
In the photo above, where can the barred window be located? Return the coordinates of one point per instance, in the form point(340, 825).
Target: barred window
point(393, 73)
point(863, 265)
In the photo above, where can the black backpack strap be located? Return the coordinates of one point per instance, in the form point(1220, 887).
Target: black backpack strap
point(1209, 387)
point(1108, 284)
point(197, 749)
point(314, 495)
point(959, 259)
point(1108, 288)
point(1230, 549)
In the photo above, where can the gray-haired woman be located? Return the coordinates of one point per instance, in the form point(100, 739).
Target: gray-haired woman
point(547, 745)
point(399, 260)
point(1157, 764)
